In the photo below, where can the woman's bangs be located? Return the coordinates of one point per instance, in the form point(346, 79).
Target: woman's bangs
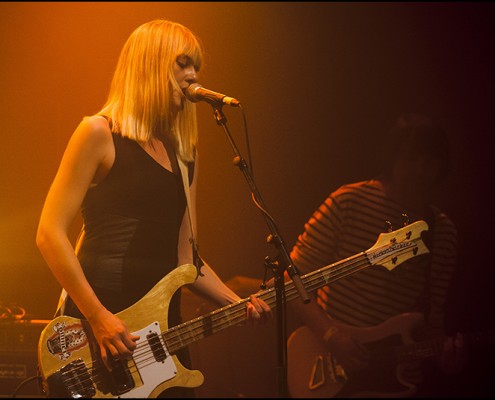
point(192, 49)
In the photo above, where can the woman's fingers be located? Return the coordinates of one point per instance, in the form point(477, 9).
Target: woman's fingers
point(258, 310)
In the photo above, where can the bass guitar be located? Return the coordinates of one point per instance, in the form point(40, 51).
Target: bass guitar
point(68, 355)
point(316, 373)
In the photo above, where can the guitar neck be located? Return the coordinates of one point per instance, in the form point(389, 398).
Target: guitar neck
point(189, 332)
point(420, 350)
point(390, 250)
point(434, 347)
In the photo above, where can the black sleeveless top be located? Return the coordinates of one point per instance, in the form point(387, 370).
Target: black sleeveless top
point(131, 228)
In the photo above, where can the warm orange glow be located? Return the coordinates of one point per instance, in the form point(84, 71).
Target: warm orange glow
point(319, 82)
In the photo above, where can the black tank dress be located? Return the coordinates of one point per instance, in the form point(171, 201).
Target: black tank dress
point(131, 228)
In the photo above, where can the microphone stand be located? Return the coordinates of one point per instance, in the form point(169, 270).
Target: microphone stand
point(275, 239)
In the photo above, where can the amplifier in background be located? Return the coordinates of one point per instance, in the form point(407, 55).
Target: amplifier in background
point(18, 355)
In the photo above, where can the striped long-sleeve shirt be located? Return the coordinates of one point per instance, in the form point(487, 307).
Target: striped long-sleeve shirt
point(348, 222)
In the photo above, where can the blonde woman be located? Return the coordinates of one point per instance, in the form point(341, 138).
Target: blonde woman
point(121, 168)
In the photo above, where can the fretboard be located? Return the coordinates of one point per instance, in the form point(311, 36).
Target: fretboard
point(189, 332)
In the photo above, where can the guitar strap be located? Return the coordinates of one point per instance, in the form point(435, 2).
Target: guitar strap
point(184, 171)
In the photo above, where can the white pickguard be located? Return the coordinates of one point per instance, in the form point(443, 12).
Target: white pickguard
point(152, 374)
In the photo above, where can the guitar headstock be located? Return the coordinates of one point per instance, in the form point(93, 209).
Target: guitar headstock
point(393, 248)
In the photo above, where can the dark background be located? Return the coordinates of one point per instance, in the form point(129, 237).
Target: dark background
point(320, 83)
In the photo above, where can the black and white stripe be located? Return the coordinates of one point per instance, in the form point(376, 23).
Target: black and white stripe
point(349, 221)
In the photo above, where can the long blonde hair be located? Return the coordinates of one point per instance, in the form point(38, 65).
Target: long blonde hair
point(139, 101)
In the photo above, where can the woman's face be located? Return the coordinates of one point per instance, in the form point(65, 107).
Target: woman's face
point(185, 73)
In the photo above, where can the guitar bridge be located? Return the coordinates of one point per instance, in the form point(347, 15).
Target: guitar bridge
point(72, 380)
point(75, 381)
point(337, 372)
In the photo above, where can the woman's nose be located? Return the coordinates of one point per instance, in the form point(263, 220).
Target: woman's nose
point(192, 76)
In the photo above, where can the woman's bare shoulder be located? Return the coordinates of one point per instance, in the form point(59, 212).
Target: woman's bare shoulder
point(92, 131)
point(92, 138)
point(96, 126)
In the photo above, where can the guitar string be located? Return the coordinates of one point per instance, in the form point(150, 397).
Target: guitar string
point(343, 267)
point(141, 363)
point(291, 292)
point(330, 269)
point(241, 315)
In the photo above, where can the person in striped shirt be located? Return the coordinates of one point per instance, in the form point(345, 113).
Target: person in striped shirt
point(349, 221)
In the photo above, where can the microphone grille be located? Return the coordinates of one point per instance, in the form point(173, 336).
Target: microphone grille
point(191, 90)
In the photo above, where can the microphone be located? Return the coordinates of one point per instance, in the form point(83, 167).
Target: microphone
point(195, 92)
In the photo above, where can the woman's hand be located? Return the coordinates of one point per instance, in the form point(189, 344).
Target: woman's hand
point(257, 311)
point(113, 337)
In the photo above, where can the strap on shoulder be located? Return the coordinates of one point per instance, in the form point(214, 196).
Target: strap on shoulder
point(184, 171)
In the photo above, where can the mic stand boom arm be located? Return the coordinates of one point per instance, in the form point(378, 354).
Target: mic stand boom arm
point(275, 239)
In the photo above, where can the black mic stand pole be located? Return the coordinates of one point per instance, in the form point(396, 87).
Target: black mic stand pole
point(275, 239)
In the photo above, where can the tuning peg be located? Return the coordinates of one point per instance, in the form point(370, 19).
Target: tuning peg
point(388, 226)
point(405, 219)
